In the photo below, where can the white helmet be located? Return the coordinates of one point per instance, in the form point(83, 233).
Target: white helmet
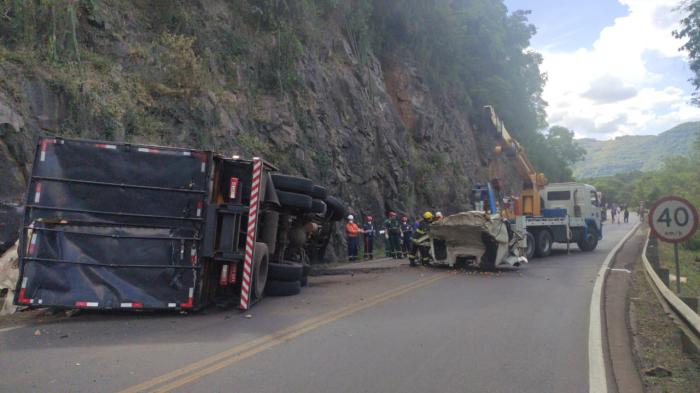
point(351, 217)
point(438, 214)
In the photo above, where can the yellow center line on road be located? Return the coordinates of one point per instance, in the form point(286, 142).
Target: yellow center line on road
point(214, 363)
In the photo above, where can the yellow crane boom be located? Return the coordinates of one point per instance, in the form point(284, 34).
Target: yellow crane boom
point(533, 182)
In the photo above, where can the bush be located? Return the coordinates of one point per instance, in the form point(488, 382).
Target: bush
point(181, 66)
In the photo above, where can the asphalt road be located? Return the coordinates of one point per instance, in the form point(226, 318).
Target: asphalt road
point(400, 330)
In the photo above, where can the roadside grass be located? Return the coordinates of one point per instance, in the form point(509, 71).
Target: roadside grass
point(657, 341)
point(688, 265)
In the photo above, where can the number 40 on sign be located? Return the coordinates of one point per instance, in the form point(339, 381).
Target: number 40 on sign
point(674, 220)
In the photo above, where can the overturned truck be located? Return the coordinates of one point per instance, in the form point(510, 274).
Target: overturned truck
point(123, 226)
point(476, 239)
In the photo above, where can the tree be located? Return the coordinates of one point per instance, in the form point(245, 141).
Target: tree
point(555, 153)
point(690, 30)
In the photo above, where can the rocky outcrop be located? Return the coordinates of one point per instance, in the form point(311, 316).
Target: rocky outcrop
point(373, 131)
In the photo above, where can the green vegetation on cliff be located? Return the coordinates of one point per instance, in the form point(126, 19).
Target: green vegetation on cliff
point(375, 98)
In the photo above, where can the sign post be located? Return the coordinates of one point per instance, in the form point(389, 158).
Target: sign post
point(674, 220)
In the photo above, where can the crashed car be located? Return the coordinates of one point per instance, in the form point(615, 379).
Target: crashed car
point(476, 239)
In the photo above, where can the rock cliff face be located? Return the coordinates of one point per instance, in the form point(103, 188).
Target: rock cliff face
point(367, 126)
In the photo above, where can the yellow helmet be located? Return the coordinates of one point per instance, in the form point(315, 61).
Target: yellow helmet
point(428, 215)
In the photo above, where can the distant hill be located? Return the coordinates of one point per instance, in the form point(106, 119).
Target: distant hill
point(635, 152)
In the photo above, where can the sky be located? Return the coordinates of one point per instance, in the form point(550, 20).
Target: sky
point(613, 66)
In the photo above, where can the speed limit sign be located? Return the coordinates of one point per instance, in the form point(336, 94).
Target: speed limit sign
point(673, 219)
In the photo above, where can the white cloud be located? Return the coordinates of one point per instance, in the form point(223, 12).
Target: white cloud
point(608, 90)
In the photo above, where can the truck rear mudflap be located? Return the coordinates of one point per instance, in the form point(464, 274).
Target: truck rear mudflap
point(113, 226)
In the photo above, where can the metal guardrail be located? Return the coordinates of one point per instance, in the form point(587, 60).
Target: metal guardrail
point(682, 310)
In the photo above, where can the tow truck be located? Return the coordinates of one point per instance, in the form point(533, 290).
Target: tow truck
point(544, 213)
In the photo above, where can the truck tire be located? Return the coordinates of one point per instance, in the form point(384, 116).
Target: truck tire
point(287, 271)
point(300, 185)
point(260, 270)
point(543, 245)
point(305, 275)
point(319, 192)
point(283, 288)
point(336, 208)
point(530, 250)
point(318, 207)
point(294, 201)
point(589, 243)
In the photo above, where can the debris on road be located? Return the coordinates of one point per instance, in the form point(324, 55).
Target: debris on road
point(658, 371)
point(9, 274)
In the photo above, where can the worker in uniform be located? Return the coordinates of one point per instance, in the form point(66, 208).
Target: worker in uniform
point(353, 232)
point(369, 234)
point(385, 235)
point(406, 235)
point(393, 229)
point(421, 241)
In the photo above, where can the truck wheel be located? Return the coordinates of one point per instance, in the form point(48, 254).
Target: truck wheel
point(336, 208)
point(543, 245)
point(260, 270)
point(589, 243)
point(305, 275)
point(288, 271)
point(530, 250)
point(319, 192)
point(296, 184)
point(294, 201)
point(318, 207)
point(283, 288)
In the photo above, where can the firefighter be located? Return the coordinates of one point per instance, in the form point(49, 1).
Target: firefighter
point(353, 232)
point(393, 231)
point(369, 233)
point(421, 241)
point(406, 235)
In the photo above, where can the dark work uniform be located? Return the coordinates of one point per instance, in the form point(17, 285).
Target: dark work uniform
point(407, 235)
point(369, 235)
point(393, 227)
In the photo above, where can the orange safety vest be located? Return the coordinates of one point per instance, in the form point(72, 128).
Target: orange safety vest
point(352, 229)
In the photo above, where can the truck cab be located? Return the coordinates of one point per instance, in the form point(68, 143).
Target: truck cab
point(577, 201)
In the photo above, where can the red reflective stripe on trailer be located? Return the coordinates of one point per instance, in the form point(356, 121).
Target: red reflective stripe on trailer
point(32, 244)
point(199, 208)
point(147, 150)
point(132, 305)
point(190, 300)
point(105, 146)
point(232, 270)
point(21, 297)
point(42, 150)
point(84, 304)
point(37, 192)
point(223, 277)
point(250, 243)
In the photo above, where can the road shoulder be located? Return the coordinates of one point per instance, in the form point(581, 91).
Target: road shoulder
point(619, 354)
